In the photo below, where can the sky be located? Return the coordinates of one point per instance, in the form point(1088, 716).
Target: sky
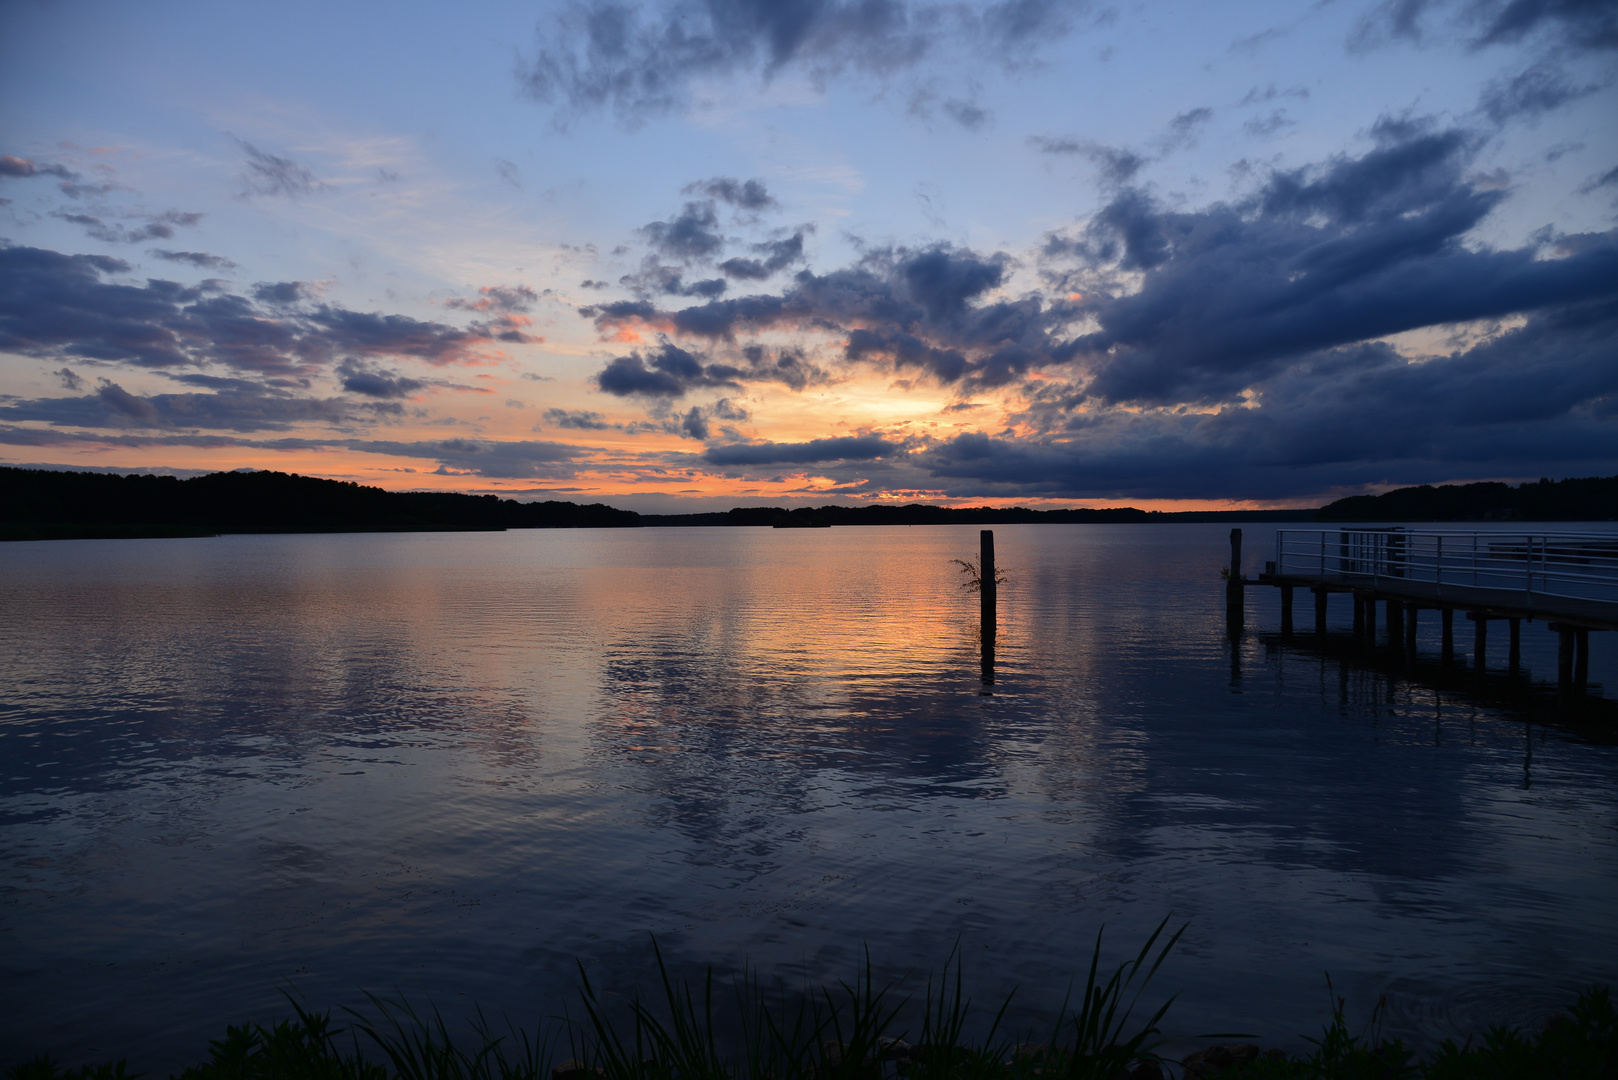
point(692, 254)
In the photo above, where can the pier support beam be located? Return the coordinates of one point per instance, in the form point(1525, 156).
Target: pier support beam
point(1359, 616)
point(1480, 640)
point(1581, 660)
point(1410, 631)
point(1286, 610)
point(1448, 654)
point(1396, 623)
point(1564, 657)
point(1320, 612)
point(1514, 654)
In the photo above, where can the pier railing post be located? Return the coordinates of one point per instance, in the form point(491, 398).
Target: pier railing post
point(987, 597)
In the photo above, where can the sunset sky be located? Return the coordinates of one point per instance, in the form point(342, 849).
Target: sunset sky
point(691, 255)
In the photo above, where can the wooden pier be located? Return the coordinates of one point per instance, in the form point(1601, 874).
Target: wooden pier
point(1568, 581)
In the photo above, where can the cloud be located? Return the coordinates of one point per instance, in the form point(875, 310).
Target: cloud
point(111, 406)
point(655, 278)
point(577, 419)
point(70, 379)
point(20, 167)
point(847, 448)
point(511, 298)
point(1532, 92)
point(1575, 25)
point(750, 195)
point(777, 256)
point(198, 259)
point(271, 174)
point(508, 172)
point(694, 234)
point(1606, 179)
point(1321, 258)
point(641, 60)
point(361, 379)
point(56, 306)
point(1116, 165)
point(667, 372)
point(157, 227)
point(898, 308)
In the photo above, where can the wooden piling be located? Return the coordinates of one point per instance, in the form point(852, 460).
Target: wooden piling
point(1480, 640)
point(1447, 653)
point(1286, 610)
point(1410, 631)
point(1235, 601)
point(1396, 624)
point(1359, 615)
point(1581, 660)
point(1320, 612)
point(987, 600)
point(1564, 658)
point(1514, 652)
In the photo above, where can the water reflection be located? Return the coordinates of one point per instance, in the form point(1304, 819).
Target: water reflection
point(461, 763)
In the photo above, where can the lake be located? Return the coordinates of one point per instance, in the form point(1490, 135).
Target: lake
point(457, 764)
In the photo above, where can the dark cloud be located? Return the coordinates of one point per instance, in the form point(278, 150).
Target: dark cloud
point(198, 259)
point(900, 308)
point(750, 195)
point(24, 167)
point(777, 256)
point(1542, 88)
point(513, 298)
point(56, 306)
point(157, 227)
point(1606, 179)
point(1577, 25)
point(640, 60)
point(280, 293)
point(271, 174)
point(847, 448)
point(111, 406)
point(694, 234)
point(965, 113)
point(1360, 249)
point(655, 278)
point(361, 379)
point(577, 419)
point(1117, 165)
point(666, 372)
point(70, 379)
point(1183, 126)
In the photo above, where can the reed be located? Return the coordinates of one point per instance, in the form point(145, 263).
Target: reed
point(860, 1029)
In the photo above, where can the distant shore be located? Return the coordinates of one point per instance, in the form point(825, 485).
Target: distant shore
point(44, 504)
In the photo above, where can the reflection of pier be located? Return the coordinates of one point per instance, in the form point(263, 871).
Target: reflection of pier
point(1567, 580)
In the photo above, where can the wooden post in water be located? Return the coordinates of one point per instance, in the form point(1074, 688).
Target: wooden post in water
point(1396, 624)
point(1480, 640)
point(1320, 610)
point(1234, 600)
point(1514, 654)
point(1410, 631)
point(1564, 658)
point(987, 595)
point(1581, 660)
point(1286, 611)
point(1448, 653)
point(1359, 616)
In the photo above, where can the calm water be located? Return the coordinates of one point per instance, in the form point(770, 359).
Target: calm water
point(455, 764)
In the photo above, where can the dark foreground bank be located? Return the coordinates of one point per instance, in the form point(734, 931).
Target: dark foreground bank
point(856, 1031)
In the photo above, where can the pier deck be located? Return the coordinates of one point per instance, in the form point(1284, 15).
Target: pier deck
point(1569, 581)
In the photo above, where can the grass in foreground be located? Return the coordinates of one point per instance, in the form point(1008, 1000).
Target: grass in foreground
point(851, 1032)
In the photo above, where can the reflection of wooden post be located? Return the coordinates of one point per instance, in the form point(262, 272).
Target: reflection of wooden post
point(1233, 585)
point(987, 597)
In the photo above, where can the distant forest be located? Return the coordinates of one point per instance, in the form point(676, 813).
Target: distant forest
point(45, 504)
point(1593, 498)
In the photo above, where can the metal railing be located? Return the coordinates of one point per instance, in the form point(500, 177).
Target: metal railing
point(1576, 566)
